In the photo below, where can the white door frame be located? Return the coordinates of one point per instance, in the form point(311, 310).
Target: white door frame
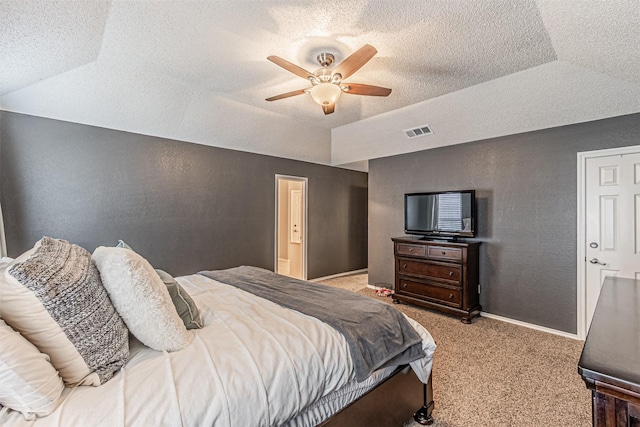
point(3, 242)
point(581, 311)
point(305, 197)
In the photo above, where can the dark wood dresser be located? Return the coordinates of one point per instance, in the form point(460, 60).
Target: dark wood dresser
point(610, 361)
point(440, 275)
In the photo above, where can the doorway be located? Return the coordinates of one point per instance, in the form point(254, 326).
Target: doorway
point(291, 226)
point(608, 223)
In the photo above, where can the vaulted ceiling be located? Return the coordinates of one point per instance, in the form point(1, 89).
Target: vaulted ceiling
point(197, 70)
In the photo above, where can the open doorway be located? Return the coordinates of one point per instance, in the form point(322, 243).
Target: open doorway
point(291, 226)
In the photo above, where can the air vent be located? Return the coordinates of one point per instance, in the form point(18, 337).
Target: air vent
point(419, 131)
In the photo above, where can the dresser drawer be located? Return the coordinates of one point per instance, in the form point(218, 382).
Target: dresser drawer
point(444, 253)
point(451, 273)
point(413, 250)
point(429, 291)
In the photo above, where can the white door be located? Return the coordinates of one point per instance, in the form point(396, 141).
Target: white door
point(295, 216)
point(612, 232)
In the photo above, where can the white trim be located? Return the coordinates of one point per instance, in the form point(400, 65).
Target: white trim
point(305, 195)
point(530, 325)
point(335, 276)
point(3, 242)
point(375, 288)
point(483, 314)
point(581, 286)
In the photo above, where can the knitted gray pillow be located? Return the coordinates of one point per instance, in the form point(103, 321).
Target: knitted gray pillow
point(56, 300)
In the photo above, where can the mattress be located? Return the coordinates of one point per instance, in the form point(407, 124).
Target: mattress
point(254, 363)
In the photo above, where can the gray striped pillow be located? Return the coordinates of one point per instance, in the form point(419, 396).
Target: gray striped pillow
point(182, 301)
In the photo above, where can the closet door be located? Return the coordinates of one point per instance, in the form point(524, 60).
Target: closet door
point(612, 223)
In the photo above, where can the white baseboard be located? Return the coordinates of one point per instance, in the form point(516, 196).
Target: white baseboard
point(335, 276)
point(375, 288)
point(530, 325)
point(483, 314)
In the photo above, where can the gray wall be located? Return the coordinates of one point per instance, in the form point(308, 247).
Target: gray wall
point(185, 207)
point(526, 189)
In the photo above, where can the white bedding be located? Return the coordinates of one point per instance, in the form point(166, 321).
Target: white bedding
point(253, 364)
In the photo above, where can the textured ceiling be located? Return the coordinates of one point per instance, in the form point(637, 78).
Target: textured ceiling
point(197, 70)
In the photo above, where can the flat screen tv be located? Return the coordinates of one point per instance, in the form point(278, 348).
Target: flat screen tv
point(444, 214)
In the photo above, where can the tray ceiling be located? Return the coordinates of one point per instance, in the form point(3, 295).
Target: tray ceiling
point(197, 71)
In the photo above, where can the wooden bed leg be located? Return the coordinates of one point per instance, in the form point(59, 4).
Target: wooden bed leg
point(390, 403)
point(423, 415)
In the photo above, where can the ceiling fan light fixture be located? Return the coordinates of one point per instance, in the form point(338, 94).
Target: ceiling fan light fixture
point(325, 93)
point(327, 83)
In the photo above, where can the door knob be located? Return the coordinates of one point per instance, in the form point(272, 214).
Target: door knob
point(596, 261)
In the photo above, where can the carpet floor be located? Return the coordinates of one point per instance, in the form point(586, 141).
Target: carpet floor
point(493, 373)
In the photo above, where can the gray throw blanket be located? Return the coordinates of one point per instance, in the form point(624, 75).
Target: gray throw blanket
point(378, 334)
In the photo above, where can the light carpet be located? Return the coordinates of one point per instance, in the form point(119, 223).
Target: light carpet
point(493, 373)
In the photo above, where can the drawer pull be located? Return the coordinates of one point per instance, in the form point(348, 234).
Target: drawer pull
point(410, 249)
point(450, 296)
point(404, 266)
point(404, 285)
point(444, 253)
point(451, 273)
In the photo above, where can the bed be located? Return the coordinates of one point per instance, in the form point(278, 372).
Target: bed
point(254, 362)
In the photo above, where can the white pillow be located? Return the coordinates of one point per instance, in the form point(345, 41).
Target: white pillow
point(141, 298)
point(28, 382)
point(4, 261)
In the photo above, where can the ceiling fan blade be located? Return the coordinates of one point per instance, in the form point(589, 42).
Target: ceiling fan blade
point(298, 71)
point(328, 109)
point(356, 60)
point(368, 90)
point(287, 95)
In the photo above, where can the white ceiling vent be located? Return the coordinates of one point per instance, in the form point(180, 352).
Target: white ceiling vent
point(419, 131)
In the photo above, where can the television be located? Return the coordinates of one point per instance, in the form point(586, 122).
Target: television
point(441, 215)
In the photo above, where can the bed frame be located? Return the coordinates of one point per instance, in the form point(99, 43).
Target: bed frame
point(392, 402)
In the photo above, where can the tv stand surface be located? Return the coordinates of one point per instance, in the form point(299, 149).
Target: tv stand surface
point(440, 239)
point(438, 274)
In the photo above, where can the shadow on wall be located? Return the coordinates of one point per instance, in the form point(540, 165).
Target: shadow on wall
point(358, 202)
point(14, 212)
point(483, 227)
point(488, 250)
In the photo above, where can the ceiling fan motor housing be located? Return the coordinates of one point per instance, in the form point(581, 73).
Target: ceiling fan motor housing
point(325, 59)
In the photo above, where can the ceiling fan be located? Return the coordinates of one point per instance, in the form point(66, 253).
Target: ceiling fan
point(328, 83)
